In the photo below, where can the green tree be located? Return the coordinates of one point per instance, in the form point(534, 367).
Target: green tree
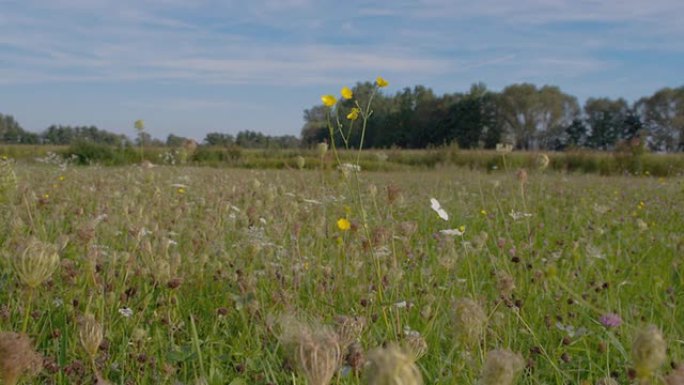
point(663, 117)
point(605, 118)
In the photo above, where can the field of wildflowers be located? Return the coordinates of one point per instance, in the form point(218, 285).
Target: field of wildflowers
point(182, 275)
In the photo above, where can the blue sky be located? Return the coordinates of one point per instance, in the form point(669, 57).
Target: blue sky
point(190, 67)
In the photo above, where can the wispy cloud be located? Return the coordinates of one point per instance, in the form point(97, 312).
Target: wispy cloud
point(273, 45)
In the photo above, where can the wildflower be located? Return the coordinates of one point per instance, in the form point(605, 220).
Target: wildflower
point(91, 335)
point(434, 204)
point(353, 114)
point(461, 228)
point(501, 367)
point(504, 147)
point(610, 320)
point(483, 212)
point(328, 100)
point(139, 125)
point(347, 93)
point(391, 366)
point(451, 232)
point(61, 178)
point(648, 351)
point(35, 263)
point(126, 312)
point(381, 82)
point(17, 357)
point(180, 190)
point(322, 148)
point(343, 224)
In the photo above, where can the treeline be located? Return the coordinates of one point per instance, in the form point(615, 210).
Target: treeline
point(524, 115)
point(12, 133)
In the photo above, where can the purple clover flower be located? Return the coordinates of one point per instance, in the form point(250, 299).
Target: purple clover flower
point(610, 320)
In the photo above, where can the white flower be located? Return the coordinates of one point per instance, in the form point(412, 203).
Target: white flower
point(126, 312)
point(454, 232)
point(434, 204)
point(516, 215)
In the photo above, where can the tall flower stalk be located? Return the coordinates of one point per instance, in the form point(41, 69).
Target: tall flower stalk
point(345, 131)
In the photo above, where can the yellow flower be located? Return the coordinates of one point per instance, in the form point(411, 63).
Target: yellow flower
point(343, 224)
point(181, 190)
point(483, 212)
point(381, 82)
point(353, 114)
point(328, 100)
point(347, 93)
point(461, 228)
point(61, 177)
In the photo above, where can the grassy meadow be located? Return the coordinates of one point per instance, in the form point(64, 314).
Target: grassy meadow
point(196, 275)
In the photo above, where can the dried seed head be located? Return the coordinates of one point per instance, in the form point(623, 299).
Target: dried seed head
point(348, 329)
point(542, 161)
point(416, 345)
point(35, 263)
point(521, 175)
point(17, 357)
point(91, 335)
point(469, 320)
point(648, 351)
point(391, 366)
point(607, 381)
point(676, 377)
point(322, 148)
point(501, 367)
point(505, 284)
point(8, 181)
point(315, 350)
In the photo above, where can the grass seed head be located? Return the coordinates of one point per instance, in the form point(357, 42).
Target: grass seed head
point(17, 357)
point(648, 351)
point(501, 367)
point(391, 366)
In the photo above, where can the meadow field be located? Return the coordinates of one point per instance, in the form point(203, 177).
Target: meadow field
point(197, 275)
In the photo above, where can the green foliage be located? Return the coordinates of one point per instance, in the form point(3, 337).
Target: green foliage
point(88, 153)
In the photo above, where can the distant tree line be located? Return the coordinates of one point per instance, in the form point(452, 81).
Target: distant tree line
point(12, 133)
point(524, 115)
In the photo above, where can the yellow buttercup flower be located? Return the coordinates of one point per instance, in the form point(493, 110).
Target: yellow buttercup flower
point(328, 100)
point(381, 82)
point(343, 224)
point(347, 93)
point(353, 114)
